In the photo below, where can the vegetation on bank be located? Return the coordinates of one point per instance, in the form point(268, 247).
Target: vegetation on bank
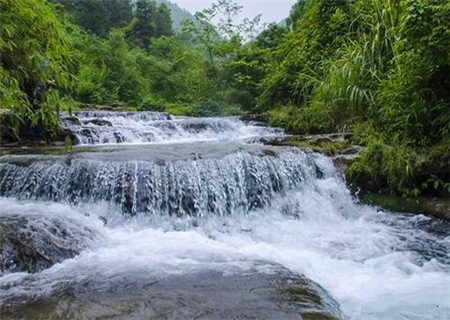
point(377, 68)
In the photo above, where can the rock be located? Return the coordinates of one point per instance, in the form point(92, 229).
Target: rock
point(438, 207)
point(329, 145)
point(278, 294)
point(88, 106)
point(262, 118)
point(57, 143)
point(345, 158)
point(99, 122)
point(342, 163)
point(10, 144)
point(32, 243)
point(353, 150)
point(196, 127)
point(72, 120)
point(86, 133)
point(63, 133)
point(118, 106)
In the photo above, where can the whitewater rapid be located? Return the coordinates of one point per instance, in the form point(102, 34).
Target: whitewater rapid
point(157, 128)
point(376, 264)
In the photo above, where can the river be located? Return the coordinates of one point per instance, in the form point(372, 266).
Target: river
point(152, 196)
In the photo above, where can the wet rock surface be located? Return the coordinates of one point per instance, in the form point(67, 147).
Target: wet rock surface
point(336, 145)
point(328, 144)
point(278, 294)
point(438, 207)
point(32, 243)
point(99, 122)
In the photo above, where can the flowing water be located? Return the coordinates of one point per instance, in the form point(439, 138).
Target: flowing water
point(152, 195)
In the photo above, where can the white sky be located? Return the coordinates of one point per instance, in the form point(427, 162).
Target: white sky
point(271, 10)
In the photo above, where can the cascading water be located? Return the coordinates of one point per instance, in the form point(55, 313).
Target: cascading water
point(234, 184)
point(155, 127)
point(219, 203)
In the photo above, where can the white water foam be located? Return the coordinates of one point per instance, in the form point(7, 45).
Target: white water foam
point(145, 128)
point(378, 265)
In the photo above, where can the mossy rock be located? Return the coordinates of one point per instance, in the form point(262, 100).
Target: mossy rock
point(317, 316)
point(74, 120)
point(304, 295)
point(438, 207)
point(321, 144)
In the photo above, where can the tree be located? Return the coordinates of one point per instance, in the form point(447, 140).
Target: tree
point(221, 40)
point(143, 26)
point(120, 13)
point(99, 16)
point(149, 22)
point(34, 57)
point(271, 36)
point(297, 12)
point(163, 21)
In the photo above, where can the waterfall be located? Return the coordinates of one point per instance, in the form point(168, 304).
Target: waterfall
point(95, 127)
point(149, 197)
point(232, 185)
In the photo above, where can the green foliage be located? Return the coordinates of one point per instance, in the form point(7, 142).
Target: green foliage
point(297, 12)
point(316, 38)
point(33, 60)
point(401, 169)
point(99, 16)
point(152, 104)
point(68, 144)
point(149, 22)
point(207, 108)
point(378, 68)
point(180, 109)
point(163, 21)
point(11, 96)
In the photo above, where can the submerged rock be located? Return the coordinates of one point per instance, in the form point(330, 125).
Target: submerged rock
point(72, 120)
point(32, 243)
point(99, 122)
point(278, 294)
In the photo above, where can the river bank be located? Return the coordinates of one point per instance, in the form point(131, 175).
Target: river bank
point(339, 147)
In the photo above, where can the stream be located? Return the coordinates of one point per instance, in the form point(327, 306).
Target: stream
point(164, 217)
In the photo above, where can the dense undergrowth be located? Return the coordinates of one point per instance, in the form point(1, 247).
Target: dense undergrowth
point(377, 68)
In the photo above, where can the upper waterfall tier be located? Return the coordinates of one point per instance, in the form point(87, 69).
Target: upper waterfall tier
point(100, 127)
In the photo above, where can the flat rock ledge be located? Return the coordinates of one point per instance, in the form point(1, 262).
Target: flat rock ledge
point(203, 295)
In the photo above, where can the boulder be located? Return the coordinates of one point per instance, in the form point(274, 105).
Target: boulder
point(99, 122)
point(252, 294)
point(32, 243)
point(72, 120)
